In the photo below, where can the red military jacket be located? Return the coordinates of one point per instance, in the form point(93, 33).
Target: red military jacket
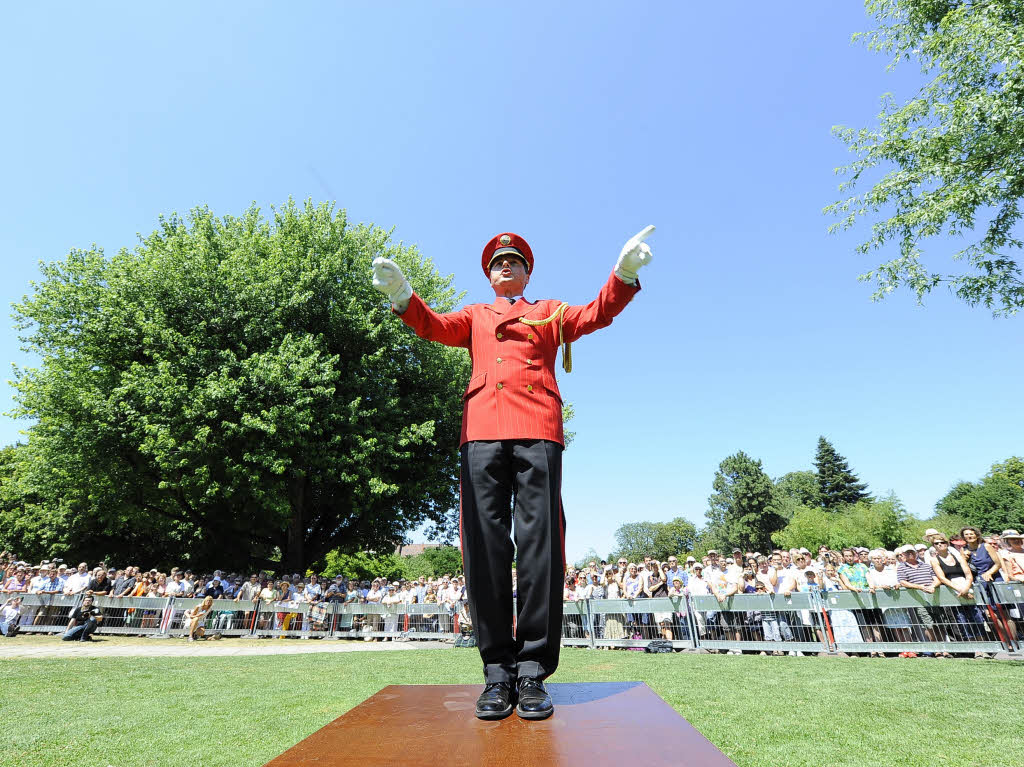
point(512, 393)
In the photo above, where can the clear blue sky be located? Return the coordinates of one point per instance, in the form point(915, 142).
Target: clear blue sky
point(575, 126)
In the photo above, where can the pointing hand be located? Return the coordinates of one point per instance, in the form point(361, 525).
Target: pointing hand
point(635, 254)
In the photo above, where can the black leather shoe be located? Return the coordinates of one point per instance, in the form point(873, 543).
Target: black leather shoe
point(534, 701)
point(495, 702)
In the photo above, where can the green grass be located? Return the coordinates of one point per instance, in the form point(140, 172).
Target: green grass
point(240, 711)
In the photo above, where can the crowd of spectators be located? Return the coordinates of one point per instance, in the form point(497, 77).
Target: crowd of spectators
point(961, 563)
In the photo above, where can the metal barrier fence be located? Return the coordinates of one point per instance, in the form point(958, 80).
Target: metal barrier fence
point(636, 622)
point(895, 621)
point(760, 622)
point(840, 621)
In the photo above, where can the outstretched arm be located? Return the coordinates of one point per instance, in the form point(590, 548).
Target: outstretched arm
point(449, 329)
point(617, 292)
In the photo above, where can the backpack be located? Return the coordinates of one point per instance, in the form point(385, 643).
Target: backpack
point(658, 645)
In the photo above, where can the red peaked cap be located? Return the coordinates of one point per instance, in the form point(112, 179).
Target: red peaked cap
point(506, 243)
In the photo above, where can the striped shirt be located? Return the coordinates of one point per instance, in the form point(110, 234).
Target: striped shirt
point(920, 574)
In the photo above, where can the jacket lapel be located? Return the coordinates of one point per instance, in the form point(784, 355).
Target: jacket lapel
point(521, 308)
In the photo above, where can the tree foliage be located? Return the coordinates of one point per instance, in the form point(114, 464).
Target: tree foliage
point(796, 490)
point(951, 158)
point(741, 510)
point(885, 523)
point(361, 565)
point(659, 540)
point(233, 388)
point(993, 504)
point(837, 485)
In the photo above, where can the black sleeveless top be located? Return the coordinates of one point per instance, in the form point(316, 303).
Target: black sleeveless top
point(951, 571)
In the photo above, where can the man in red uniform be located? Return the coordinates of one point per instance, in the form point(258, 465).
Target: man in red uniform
point(511, 454)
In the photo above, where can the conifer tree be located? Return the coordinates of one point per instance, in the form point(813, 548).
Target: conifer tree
point(837, 485)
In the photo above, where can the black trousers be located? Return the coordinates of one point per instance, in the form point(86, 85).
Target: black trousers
point(498, 480)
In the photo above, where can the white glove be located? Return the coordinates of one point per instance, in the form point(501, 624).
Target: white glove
point(389, 280)
point(634, 255)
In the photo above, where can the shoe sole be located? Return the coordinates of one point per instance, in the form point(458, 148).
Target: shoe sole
point(534, 714)
point(494, 714)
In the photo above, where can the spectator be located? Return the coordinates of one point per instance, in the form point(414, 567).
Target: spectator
point(188, 584)
point(10, 616)
point(18, 582)
point(632, 588)
point(1012, 557)
point(313, 591)
point(698, 587)
point(99, 584)
point(895, 621)
point(176, 586)
point(124, 585)
point(196, 617)
point(336, 591)
point(614, 623)
point(249, 591)
point(952, 570)
point(213, 589)
point(391, 600)
point(83, 621)
point(584, 590)
point(916, 575)
point(983, 558)
point(675, 571)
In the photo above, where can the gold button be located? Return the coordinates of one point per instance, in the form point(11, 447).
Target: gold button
point(529, 387)
point(529, 336)
point(499, 335)
point(529, 362)
point(499, 385)
point(499, 360)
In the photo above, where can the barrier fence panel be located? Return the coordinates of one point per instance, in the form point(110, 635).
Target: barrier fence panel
point(231, 618)
point(131, 615)
point(1004, 605)
point(46, 613)
point(226, 617)
point(294, 619)
point(637, 622)
point(760, 622)
point(51, 613)
point(900, 620)
point(428, 621)
point(576, 628)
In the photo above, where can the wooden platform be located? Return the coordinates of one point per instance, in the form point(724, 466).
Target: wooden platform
point(613, 723)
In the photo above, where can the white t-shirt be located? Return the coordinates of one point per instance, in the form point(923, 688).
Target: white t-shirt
point(885, 578)
point(76, 583)
point(698, 587)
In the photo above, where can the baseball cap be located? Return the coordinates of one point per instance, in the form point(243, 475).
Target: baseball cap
point(691, 559)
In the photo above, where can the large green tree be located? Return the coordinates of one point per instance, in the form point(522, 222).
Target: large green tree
point(837, 484)
point(949, 161)
point(234, 390)
point(659, 540)
point(993, 504)
point(885, 523)
point(796, 490)
point(741, 510)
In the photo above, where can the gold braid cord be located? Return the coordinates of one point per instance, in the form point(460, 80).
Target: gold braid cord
point(566, 347)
